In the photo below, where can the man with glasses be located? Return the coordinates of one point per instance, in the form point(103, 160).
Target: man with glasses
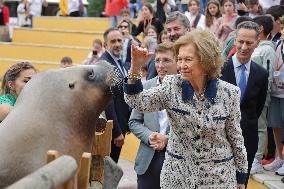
point(152, 128)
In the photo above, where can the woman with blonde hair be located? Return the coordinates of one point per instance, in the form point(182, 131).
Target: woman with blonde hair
point(205, 147)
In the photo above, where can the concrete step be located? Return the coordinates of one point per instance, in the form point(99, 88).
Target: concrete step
point(72, 23)
point(269, 179)
point(94, 24)
point(55, 37)
point(129, 178)
point(41, 52)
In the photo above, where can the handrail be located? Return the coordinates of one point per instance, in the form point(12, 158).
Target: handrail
point(50, 176)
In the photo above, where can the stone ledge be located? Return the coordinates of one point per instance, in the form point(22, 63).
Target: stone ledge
point(269, 179)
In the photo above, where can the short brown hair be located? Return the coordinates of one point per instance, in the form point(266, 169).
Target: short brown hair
point(196, 1)
point(124, 11)
point(208, 49)
point(166, 46)
point(66, 59)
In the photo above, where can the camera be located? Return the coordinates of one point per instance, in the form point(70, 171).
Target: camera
point(95, 53)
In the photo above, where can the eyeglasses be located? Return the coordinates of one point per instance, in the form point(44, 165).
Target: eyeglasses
point(122, 27)
point(164, 61)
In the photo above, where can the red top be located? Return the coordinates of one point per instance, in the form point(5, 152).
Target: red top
point(6, 14)
point(113, 7)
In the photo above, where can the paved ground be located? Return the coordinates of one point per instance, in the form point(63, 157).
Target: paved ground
point(129, 179)
point(267, 179)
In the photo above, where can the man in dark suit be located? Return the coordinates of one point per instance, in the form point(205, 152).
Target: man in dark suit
point(118, 110)
point(253, 82)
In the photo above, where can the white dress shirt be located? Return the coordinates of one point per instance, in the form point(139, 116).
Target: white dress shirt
point(237, 69)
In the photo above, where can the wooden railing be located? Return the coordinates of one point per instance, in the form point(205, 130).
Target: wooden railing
point(58, 174)
point(62, 172)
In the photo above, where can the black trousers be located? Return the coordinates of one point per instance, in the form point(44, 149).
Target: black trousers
point(75, 14)
point(115, 152)
point(151, 178)
point(250, 158)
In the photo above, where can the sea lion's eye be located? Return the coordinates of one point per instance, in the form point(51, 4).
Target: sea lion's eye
point(71, 85)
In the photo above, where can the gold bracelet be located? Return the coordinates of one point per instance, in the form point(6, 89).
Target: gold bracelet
point(134, 76)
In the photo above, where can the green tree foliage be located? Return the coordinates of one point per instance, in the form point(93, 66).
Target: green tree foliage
point(96, 7)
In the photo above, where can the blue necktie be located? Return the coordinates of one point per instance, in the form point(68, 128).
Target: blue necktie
point(242, 81)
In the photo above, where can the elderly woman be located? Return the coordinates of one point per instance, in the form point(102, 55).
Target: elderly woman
point(205, 147)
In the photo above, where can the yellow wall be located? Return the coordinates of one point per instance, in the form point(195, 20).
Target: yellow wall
point(55, 37)
point(130, 147)
point(42, 53)
point(67, 23)
point(4, 65)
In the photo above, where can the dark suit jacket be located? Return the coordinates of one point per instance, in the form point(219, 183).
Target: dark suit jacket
point(253, 102)
point(118, 110)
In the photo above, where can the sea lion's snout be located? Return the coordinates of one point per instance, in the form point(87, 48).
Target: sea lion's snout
point(105, 75)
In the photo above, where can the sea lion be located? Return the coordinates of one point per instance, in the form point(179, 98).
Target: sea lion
point(56, 110)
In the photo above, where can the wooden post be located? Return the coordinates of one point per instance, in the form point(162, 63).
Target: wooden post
point(52, 155)
point(71, 183)
point(84, 172)
point(101, 148)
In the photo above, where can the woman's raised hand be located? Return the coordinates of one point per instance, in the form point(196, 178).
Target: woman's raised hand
point(139, 57)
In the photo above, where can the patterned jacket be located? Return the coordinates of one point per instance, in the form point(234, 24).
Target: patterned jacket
point(206, 146)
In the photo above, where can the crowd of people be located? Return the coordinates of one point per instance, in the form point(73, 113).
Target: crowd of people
point(203, 91)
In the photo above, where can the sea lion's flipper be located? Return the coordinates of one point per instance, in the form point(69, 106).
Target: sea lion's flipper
point(112, 174)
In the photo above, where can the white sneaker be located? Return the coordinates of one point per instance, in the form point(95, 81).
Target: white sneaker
point(273, 166)
point(257, 167)
point(280, 171)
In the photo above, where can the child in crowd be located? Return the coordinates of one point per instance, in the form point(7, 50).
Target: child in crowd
point(212, 13)
point(95, 54)
point(226, 23)
point(276, 109)
point(163, 37)
point(66, 61)
point(148, 20)
point(254, 8)
point(125, 15)
point(150, 40)
point(197, 20)
point(21, 12)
